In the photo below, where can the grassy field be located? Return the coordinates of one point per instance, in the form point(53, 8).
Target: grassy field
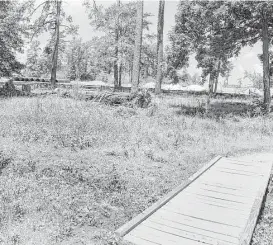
point(71, 172)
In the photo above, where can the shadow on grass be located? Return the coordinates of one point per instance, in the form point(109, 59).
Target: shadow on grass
point(220, 109)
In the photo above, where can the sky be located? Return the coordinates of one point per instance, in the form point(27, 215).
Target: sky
point(247, 60)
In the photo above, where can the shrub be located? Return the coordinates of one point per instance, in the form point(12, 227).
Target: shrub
point(4, 161)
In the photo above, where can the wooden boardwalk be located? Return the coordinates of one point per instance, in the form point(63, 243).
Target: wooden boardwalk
point(219, 205)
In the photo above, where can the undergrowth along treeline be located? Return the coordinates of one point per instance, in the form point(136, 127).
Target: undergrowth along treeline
point(76, 170)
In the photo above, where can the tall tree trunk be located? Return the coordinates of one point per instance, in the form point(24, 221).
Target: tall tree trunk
point(130, 72)
point(146, 71)
point(119, 75)
point(116, 76)
point(160, 26)
point(210, 92)
point(211, 82)
point(56, 46)
point(266, 75)
point(137, 48)
point(217, 76)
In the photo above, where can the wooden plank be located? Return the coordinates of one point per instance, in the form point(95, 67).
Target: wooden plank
point(195, 228)
point(235, 209)
point(164, 215)
point(189, 233)
point(164, 237)
point(218, 194)
point(141, 217)
point(230, 187)
point(228, 168)
point(247, 233)
point(214, 217)
point(237, 180)
point(191, 206)
point(137, 240)
point(235, 193)
point(243, 169)
point(218, 201)
point(242, 164)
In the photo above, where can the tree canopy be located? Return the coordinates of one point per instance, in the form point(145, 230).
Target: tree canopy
point(12, 30)
point(216, 31)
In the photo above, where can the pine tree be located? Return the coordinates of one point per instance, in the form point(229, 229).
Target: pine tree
point(137, 48)
point(160, 26)
point(51, 19)
point(12, 30)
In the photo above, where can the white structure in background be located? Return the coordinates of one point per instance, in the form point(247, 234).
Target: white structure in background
point(196, 88)
point(253, 91)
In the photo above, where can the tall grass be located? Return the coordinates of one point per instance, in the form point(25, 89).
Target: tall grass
point(72, 166)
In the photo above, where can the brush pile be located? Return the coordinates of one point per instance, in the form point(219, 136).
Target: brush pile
point(9, 90)
point(140, 99)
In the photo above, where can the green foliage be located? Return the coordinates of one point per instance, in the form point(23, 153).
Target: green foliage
point(34, 65)
point(118, 23)
point(216, 31)
point(256, 79)
point(46, 21)
point(13, 29)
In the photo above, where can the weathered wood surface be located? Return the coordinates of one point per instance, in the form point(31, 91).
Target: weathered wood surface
point(137, 220)
point(218, 205)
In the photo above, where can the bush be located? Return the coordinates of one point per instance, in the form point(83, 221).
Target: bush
point(141, 98)
point(9, 90)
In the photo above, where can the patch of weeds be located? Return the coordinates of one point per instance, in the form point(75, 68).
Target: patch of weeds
point(15, 240)
point(4, 161)
point(125, 112)
point(19, 212)
point(155, 157)
point(116, 183)
point(151, 110)
point(191, 111)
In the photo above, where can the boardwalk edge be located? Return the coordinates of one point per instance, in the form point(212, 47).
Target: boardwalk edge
point(246, 236)
point(130, 225)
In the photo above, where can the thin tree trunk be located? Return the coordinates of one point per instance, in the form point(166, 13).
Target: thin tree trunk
point(217, 76)
point(210, 92)
point(116, 76)
point(137, 48)
point(146, 70)
point(119, 75)
point(56, 46)
point(160, 26)
point(266, 75)
point(130, 72)
point(211, 82)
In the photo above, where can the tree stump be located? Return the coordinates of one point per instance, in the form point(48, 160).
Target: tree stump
point(26, 88)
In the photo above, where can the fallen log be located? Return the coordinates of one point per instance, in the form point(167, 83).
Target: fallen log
point(141, 98)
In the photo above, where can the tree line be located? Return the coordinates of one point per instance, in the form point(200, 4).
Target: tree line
point(214, 31)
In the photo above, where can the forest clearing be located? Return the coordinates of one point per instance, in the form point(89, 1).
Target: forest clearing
point(97, 127)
